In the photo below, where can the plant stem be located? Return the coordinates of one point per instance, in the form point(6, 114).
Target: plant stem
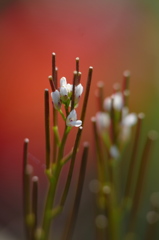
point(73, 218)
point(52, 187)
point(73, 90)
point(70, 173)
point(34, 205)
point(141, 176)
point(77, 141)
point(133, 156)
point(100, 95)
point(54, 79)
point(25, 161)
point(47, 128)
point(100, 162)
point(89, 79)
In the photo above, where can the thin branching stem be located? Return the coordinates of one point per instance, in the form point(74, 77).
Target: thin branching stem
point(25, 162)
point(134, 156)
point(100, 95)
point(73, 90)
point(47, 128)
point(73, 218)
point(85, 102)
point(34, 206)
point(141, 177)
point(77, 64)
point(101, 164)
point(52, 187)
point(77, 141)
point(70, 173)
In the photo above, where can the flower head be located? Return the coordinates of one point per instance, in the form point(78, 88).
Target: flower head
point(65, 89)
point(117, 102)
point(103, 121)
point(56, 99)
point(72, 121)
point(128, 120)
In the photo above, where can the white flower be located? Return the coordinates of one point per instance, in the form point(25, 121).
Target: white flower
point(114, 152)
point(127, 122)
point(65, 89)
point(72, 121)
point(103, 121)
point(117, 102)
point(56, 99)
point(78, 92)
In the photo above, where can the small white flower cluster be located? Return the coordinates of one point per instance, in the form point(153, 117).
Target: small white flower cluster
point(64, 96)
point(125, 119)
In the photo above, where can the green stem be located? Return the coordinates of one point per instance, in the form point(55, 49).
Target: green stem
point(133, 156)
point(63, 116)
point(100, 162)
point(71, 224)
point(52, 188)
point(141, 176)
point(70, 173)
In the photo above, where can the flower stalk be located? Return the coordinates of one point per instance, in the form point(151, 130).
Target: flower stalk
point(68, 233)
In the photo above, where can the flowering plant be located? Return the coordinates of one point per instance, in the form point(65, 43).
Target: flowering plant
point(118, 198)
point(118, 191)
point(67, 95)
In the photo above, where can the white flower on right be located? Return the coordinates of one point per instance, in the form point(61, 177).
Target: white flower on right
point(114, 152)
point(56, 99)
point(128, 120)
point(117, 102)
point(72, 121)
point(103, 121)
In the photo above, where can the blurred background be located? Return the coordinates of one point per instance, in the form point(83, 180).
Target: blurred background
point(111, 36)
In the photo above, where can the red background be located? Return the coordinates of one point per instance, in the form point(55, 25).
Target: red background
point(111, 36)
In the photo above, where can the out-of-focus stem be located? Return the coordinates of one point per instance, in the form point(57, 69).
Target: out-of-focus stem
point(113, 122)
point(25, 162)
point(133, 156)
point(27, 200)
point(101, 164)
point(141, 176)
point(126, 82)
point(47, 128)
point(100, 95)
point(73, 218)
point(34, 204)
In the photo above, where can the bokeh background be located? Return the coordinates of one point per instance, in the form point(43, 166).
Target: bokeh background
point(111, 36)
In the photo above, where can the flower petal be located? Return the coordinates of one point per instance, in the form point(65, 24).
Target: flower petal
point(73, 115)
point(78, 90)
point(77, 123)
point(56, 99)
point(72, 119)
point(118, 101)
point(129, 120)
point(63, 91)
point(63, 82)
point(103, 121)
